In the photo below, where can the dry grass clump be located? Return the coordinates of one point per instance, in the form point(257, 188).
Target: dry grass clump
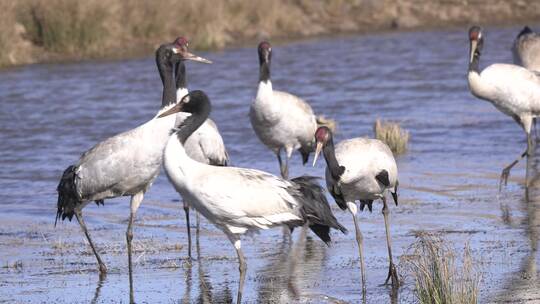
point(327, 122)
point(393, 135)
point(438, 278)
point(7, 31)
point(64, 25)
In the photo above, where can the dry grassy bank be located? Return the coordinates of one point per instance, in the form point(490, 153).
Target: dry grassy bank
point(57, 30)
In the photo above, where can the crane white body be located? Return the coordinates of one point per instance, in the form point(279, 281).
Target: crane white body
point(282, 120)
point(512, 89)
point(260, 200)
point(363, 159)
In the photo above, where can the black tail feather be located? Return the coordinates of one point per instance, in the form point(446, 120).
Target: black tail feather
point(368, 203)
point(316, 209)
point(305, 155)
point(323, 232)
point(394, 194)
point(68, 197)
point(336, 193)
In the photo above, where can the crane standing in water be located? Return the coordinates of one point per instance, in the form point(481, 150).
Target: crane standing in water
point(282, 121)
point(512, 89)
point(360, 169)
point(239, 200)
point(526, 52)
point(125, 164)
point(205, 145)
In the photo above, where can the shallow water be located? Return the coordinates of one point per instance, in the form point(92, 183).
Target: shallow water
point(50, 114)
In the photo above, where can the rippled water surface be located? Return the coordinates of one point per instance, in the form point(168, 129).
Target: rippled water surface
point(50, 114)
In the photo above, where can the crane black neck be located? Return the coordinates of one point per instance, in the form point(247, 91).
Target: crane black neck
point(475, 63)
point(165, 68)
point(329, 153)
point(264, 71)
point(180, 75)
point(199, 106)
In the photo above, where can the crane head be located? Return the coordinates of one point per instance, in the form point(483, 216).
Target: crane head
point(476, 40)
point(323, 135)
point(265, 52)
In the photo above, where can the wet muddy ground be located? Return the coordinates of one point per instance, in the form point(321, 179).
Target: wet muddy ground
point(449, 178)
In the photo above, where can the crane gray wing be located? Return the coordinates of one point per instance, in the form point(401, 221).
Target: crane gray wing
point(118, 166)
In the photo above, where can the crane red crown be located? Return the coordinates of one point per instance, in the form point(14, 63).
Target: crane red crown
point(321, 135)
point(181, 41)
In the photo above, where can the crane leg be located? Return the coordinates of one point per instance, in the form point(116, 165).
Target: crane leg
point(392, 272)
point(186, 210)
point(284, 170)
point(506, 171)
point(283, 166)
point(530, 145)
point(135, 203)
point(197, 226)
point(242, 266)
point(535, 120)
point(198, 222)
point(360, 241)
point(530, 152)
point(535, 127)
point(102, 267)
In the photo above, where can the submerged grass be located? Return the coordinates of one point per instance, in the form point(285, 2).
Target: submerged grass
point(16, 265)
point(393, 135)
point(438, 278)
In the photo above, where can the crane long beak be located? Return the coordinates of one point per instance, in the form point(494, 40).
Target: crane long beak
point(317, 152)
point(190, 56)
point(177, 108)
point(474, 45)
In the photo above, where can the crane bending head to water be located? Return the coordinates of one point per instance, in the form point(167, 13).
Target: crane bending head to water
point(282, 121)
point(239, 200)
point(360, 169)
point(125, 164)
point(512, 89)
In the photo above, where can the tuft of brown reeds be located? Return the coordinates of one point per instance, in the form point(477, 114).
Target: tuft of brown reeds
point(64, 25)
point(438, 278)
point(392, 135)
point(327, 122)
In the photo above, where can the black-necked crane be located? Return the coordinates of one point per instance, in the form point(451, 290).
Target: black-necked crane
point(239, 200)
point(205, 145)
point(360, 169)
point(526, 49)
point(512, 89)
point(125, 164)
point(282, 121)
